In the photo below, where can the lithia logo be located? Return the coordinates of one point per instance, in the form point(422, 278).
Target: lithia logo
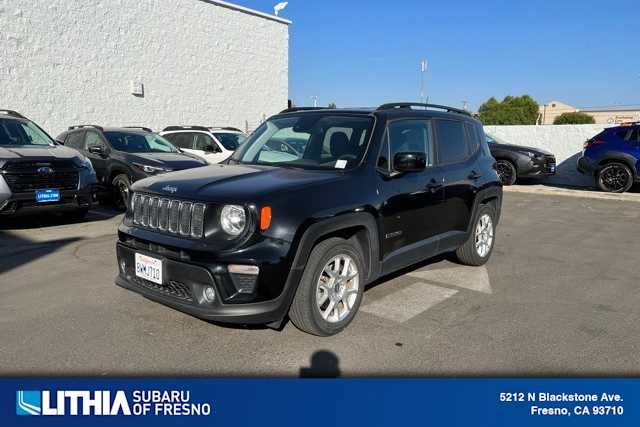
point(106, 402)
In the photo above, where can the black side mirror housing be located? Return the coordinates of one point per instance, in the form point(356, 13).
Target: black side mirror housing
point(409, 162)
point(96, 149)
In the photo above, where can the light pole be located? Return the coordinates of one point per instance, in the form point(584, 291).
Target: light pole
point(424, 64)
point(315, 101)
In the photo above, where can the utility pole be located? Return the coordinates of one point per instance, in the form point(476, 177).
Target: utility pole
point(315, 101)
point(424, 64)
point(465, 105)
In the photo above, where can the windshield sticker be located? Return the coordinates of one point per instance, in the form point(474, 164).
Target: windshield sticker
point(341, 164)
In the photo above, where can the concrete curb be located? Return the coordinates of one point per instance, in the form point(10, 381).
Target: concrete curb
point(570, 192)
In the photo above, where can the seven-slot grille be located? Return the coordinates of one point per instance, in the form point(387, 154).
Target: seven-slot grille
point(173, 216)
point(30, 176)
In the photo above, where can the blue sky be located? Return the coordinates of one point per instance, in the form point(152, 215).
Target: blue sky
point(363, 53)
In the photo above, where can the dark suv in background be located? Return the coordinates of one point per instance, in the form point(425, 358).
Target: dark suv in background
point(37, 175)
point(122, 156)
point(278, 232)
point(612, 157)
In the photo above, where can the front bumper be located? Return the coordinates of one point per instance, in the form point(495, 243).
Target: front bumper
point(24, 203)
point(537, 167)
point(184, 284)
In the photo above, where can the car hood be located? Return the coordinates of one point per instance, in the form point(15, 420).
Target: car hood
point(512, 147)
point(37, 152)
point(229, 183)
point(173, 161)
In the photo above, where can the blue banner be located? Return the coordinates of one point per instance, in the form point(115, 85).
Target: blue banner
point(319, 402)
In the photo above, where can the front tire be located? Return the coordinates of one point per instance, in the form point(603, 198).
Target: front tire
point(121, 191)
point(331, 289)
point(477, 250)
point(614, 178)
point(506, 172)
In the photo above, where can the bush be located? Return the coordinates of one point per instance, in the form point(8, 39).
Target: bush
point(574, 119)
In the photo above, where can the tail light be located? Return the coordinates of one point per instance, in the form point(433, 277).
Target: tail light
point(591, 142)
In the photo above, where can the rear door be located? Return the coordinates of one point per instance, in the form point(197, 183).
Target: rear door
point(456, 150)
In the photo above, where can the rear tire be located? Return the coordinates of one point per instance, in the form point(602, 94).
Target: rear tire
point(614, 178)
point(507, 172)
point(477, 250)
point(326, 301)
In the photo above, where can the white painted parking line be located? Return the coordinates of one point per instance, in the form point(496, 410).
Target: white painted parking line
point(471, 278)
point(408, 302)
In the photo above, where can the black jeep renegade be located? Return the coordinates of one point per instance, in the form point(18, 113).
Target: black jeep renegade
point(314, 206)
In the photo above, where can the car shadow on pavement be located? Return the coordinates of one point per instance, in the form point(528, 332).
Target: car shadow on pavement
point(389, 277)
point(324, 364)
point(16, 251)
point(29, 222)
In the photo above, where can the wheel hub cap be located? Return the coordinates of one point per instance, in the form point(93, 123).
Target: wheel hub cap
point(484, 235)
point(337, 288)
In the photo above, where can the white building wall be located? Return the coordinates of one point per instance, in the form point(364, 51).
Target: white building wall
point(65, 62)
point(565, 141)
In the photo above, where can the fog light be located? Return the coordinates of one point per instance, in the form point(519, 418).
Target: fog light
point(209, 294)
point(123, 266)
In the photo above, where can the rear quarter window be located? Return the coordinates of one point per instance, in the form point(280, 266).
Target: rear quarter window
point(452, 146)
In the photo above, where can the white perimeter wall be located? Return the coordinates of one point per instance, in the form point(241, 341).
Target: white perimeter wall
point(565, 141)
point(65, 62)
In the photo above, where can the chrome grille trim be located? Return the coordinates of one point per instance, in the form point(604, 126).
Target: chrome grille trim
point(172, 216)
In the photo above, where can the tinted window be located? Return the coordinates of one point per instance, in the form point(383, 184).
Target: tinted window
point(472, 138)
point(452, 147)
point(139, 142)
point(92, 139)
point(231, 141)
point(623, 134)
point(16, 132)
point(635, 135)
point(203, 141)
point(181, 140)
point(411, 136)
point(75, 140)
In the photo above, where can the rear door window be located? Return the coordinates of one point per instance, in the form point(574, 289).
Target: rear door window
point(181, 140)
point(472, 139)
point(452, 146)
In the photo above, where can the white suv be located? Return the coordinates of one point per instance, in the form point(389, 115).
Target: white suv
point(213, 144)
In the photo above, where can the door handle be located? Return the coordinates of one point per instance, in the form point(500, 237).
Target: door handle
point(475, 175)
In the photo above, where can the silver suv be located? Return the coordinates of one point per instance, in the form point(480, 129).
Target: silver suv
point(36, 174)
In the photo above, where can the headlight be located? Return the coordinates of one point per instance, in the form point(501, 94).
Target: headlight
point(151, 169)
point(233, 219)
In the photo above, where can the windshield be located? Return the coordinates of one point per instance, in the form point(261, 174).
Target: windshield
point(230, 141)
point(130, 142)
point(17, 132)
point(308, 141)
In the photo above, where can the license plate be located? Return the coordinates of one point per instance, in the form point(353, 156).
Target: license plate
point(47, 196)
point(148, 268)
point(552, 168)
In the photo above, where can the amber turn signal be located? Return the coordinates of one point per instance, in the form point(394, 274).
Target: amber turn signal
point(265, 218)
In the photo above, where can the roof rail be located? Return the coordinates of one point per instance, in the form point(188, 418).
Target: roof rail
point(139, 127)
point(172, 128)
point(100, 128)
point(397, 105)
point(226, 128)
point(12, 113)
point(295, 109)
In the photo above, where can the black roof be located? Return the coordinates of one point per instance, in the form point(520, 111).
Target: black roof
point(395, 107)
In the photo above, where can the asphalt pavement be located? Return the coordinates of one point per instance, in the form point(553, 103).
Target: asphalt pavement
point(559, 297)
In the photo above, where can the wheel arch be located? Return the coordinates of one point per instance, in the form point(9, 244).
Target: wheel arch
point(627, 160)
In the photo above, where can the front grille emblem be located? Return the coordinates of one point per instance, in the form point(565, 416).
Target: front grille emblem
point(45, 170)
point(170, 189)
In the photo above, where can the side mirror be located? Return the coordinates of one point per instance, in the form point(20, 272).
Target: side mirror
point(409, 162)
point(96, 149)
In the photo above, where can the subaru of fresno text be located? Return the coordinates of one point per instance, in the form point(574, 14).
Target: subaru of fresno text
point(297, 232)
point(124, 155)
point(38, 175)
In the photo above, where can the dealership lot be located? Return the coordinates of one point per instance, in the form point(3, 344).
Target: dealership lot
point(559, 297)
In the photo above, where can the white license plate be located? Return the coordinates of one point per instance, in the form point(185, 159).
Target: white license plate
point(148, 268)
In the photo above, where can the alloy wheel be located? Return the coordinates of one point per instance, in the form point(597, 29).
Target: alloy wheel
point(484, 235)
point(614, 178)
point(506, 173)
point(337, 288)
